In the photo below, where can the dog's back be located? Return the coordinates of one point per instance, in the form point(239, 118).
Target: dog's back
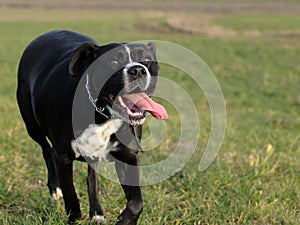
point(45, 60)
point(52, 49)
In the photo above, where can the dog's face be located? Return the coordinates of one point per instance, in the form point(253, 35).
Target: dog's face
point(132, 68)
point(127, 74)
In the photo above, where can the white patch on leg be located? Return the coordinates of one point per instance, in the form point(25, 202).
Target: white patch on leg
point(94, 142)
point(57, 194)
point(99, 219)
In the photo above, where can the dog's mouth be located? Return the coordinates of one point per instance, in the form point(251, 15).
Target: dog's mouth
point(133, 108)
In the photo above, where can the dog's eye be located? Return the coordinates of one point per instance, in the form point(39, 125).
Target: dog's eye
point(147, 60)
point(114, 63)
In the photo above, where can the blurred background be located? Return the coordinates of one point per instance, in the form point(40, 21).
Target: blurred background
point(253, 49)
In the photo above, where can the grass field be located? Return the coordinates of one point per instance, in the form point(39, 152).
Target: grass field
point(256, 176)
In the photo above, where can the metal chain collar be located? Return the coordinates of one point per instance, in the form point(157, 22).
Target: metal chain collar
point(94, 101)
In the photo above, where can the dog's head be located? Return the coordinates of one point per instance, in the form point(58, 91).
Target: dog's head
point(127, 74)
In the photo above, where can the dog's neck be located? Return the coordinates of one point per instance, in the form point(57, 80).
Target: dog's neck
point(100, 109)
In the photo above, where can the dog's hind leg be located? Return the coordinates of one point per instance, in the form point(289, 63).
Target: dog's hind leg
point(96, 211)
point(36, 133)
point(64, 169)
point(53, 183)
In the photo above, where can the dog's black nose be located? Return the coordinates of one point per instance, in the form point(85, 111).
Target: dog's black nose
point(137, 71)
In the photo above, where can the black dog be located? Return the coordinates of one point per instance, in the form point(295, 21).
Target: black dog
point(119, 80)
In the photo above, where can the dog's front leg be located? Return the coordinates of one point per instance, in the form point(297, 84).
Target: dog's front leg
point(129, 177)
point(64, 171)
point(96, 211)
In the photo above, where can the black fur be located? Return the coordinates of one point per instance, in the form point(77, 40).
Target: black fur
point(49, 73)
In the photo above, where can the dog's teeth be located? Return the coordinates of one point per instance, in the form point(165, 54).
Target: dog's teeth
point(133, 118)
point(135, 114)
point(125, 108)
point(121, 101)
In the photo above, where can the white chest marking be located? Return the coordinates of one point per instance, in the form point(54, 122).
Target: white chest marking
point(94, 142)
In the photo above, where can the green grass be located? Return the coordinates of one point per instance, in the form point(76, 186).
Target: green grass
point(249, 182)
point(260, 22)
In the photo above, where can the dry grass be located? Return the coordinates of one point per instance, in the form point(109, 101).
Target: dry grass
point(198, 25)
point(203, 25)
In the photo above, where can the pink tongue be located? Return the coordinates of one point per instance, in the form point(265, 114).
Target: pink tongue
point(143, 102)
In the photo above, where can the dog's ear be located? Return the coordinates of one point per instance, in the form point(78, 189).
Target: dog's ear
point(152, 47)
point(82, 57)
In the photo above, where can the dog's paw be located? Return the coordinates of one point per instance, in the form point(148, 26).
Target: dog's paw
point(98, 220)
point(57, 194)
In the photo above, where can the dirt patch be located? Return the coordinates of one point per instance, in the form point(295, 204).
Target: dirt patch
point(202, 26)
point(196, 25)
point(154, 27)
